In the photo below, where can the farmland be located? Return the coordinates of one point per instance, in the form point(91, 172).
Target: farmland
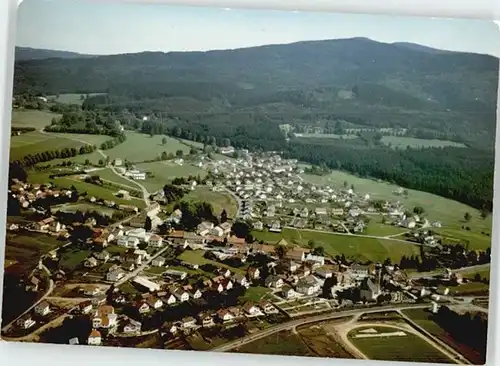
point(140, 147)
point(282, 343)
point(32, 118)
point(164, 171)
point(71, 98)
point(219, 200)
point(26, 248)
point(402, 142)
point(84, 207)
point(408, 347)
point(362, 249)
point(36, 142)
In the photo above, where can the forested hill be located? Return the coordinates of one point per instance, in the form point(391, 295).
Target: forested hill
point(28, 53)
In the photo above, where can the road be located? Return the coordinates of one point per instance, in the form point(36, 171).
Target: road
point(478, 267)
point(47, 293)
point(294, 323)
point(140, 268)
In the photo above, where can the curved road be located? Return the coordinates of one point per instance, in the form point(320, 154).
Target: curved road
point(294, 323)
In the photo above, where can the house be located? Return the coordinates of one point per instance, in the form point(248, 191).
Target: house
point(359, 272)
point(154, 302)
point(103, 256)
point(59, 275)
point(217, 231)
point(42, 308)
point(409, 223)
point(225, 315)
point(315, 258)
point(188, 322)
point(292, 266)
point(181, 295)
point(240, 280)
point(85, 307)
point(74, 341)
point(196, 294)
point(191, 265)
point(224, 272)
point(176, 274)
point(308, 285)
point(226, 227)
point(204, 228)
point(287, 292)
point(158, 261)
point(156, 241)
point(253, 273)
point(32, 284)
point(320, 211)
point(304, 213)
point(147, 284)
point(206, 320)
point(267, 307)
point(115, 275)
point(169, 299)
point(295, 255)
point(99, 300)
point(258, 225)
point(100, 242)
point(92, 290)
point(94, 338)
point(169, 327)
point(369, 290)
point(25, 322)
point(217, 287)
point(142, 307)
point(273, 281)
point(132, 326)
point(127, 241)
point(275, 227)
point(324, 272)
point(43, 225)
point(226, 284)
point(251, 309)
point(136, 175)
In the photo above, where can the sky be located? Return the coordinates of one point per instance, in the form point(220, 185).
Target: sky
point(107, 27)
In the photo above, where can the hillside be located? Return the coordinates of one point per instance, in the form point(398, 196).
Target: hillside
point(28, 53)
point(377, 84)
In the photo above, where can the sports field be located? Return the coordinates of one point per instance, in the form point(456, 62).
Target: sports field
point(378, 344)
point(359, 248)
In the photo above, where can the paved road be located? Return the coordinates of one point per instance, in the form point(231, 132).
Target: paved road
point(139, 269)
point(294, 323)
point(47, 293)
point(478, 267)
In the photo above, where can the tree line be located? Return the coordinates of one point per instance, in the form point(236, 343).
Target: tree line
point(31, 160)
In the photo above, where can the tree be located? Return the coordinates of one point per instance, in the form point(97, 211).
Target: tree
point(417, 210)
point(223, 216)
point(319, 251)
point(280, 251)
point(164, 141)
point(311, 244)
point(179, 153)
point(148, 225)
point(467, 216)
point(101, 162)
point(346, 184)
point(240, 229)
point(338, 129)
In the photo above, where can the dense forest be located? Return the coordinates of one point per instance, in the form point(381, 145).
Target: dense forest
point(243, 97)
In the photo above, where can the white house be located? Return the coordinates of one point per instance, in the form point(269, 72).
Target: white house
point(359, 272)
point(103, 256)
point(176, 274)
point(25, 322)
point(94, 338)
point(115, 275)
point(251, 309)
point(42, 308)
point(154, 302)
point(136, 175)
point(158, 261)
point(315, 258)
point(169, 299)
point(181, 295)
point(90, 262)
point(144, 282)
point(274, 282)
point(224, 315)
point(196, 294)
point(156, 241)
point(132, 326)
point(217, 231)
point(308, 285)
point(143, 307)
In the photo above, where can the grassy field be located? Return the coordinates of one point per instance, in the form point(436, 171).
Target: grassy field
point(140, 147)
point(469, 288)
point(359, 248)
point(282, 344)
point(450, 213)
point(36, 142)
point(73, 258)
point(107, 174)
point(32, 118)
point(327, 136)
point(165, 171)
point(403, 142)
point(219, 200)
point(322, 342)
point(196, 257)
point(96, 191)
point(26, 247)
point(90, 139)
point(71, 98)
point(423, 318)
point(404, 348)
point(484, 273)
point(84, 207)
point(255, 293)
point(376, 228)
